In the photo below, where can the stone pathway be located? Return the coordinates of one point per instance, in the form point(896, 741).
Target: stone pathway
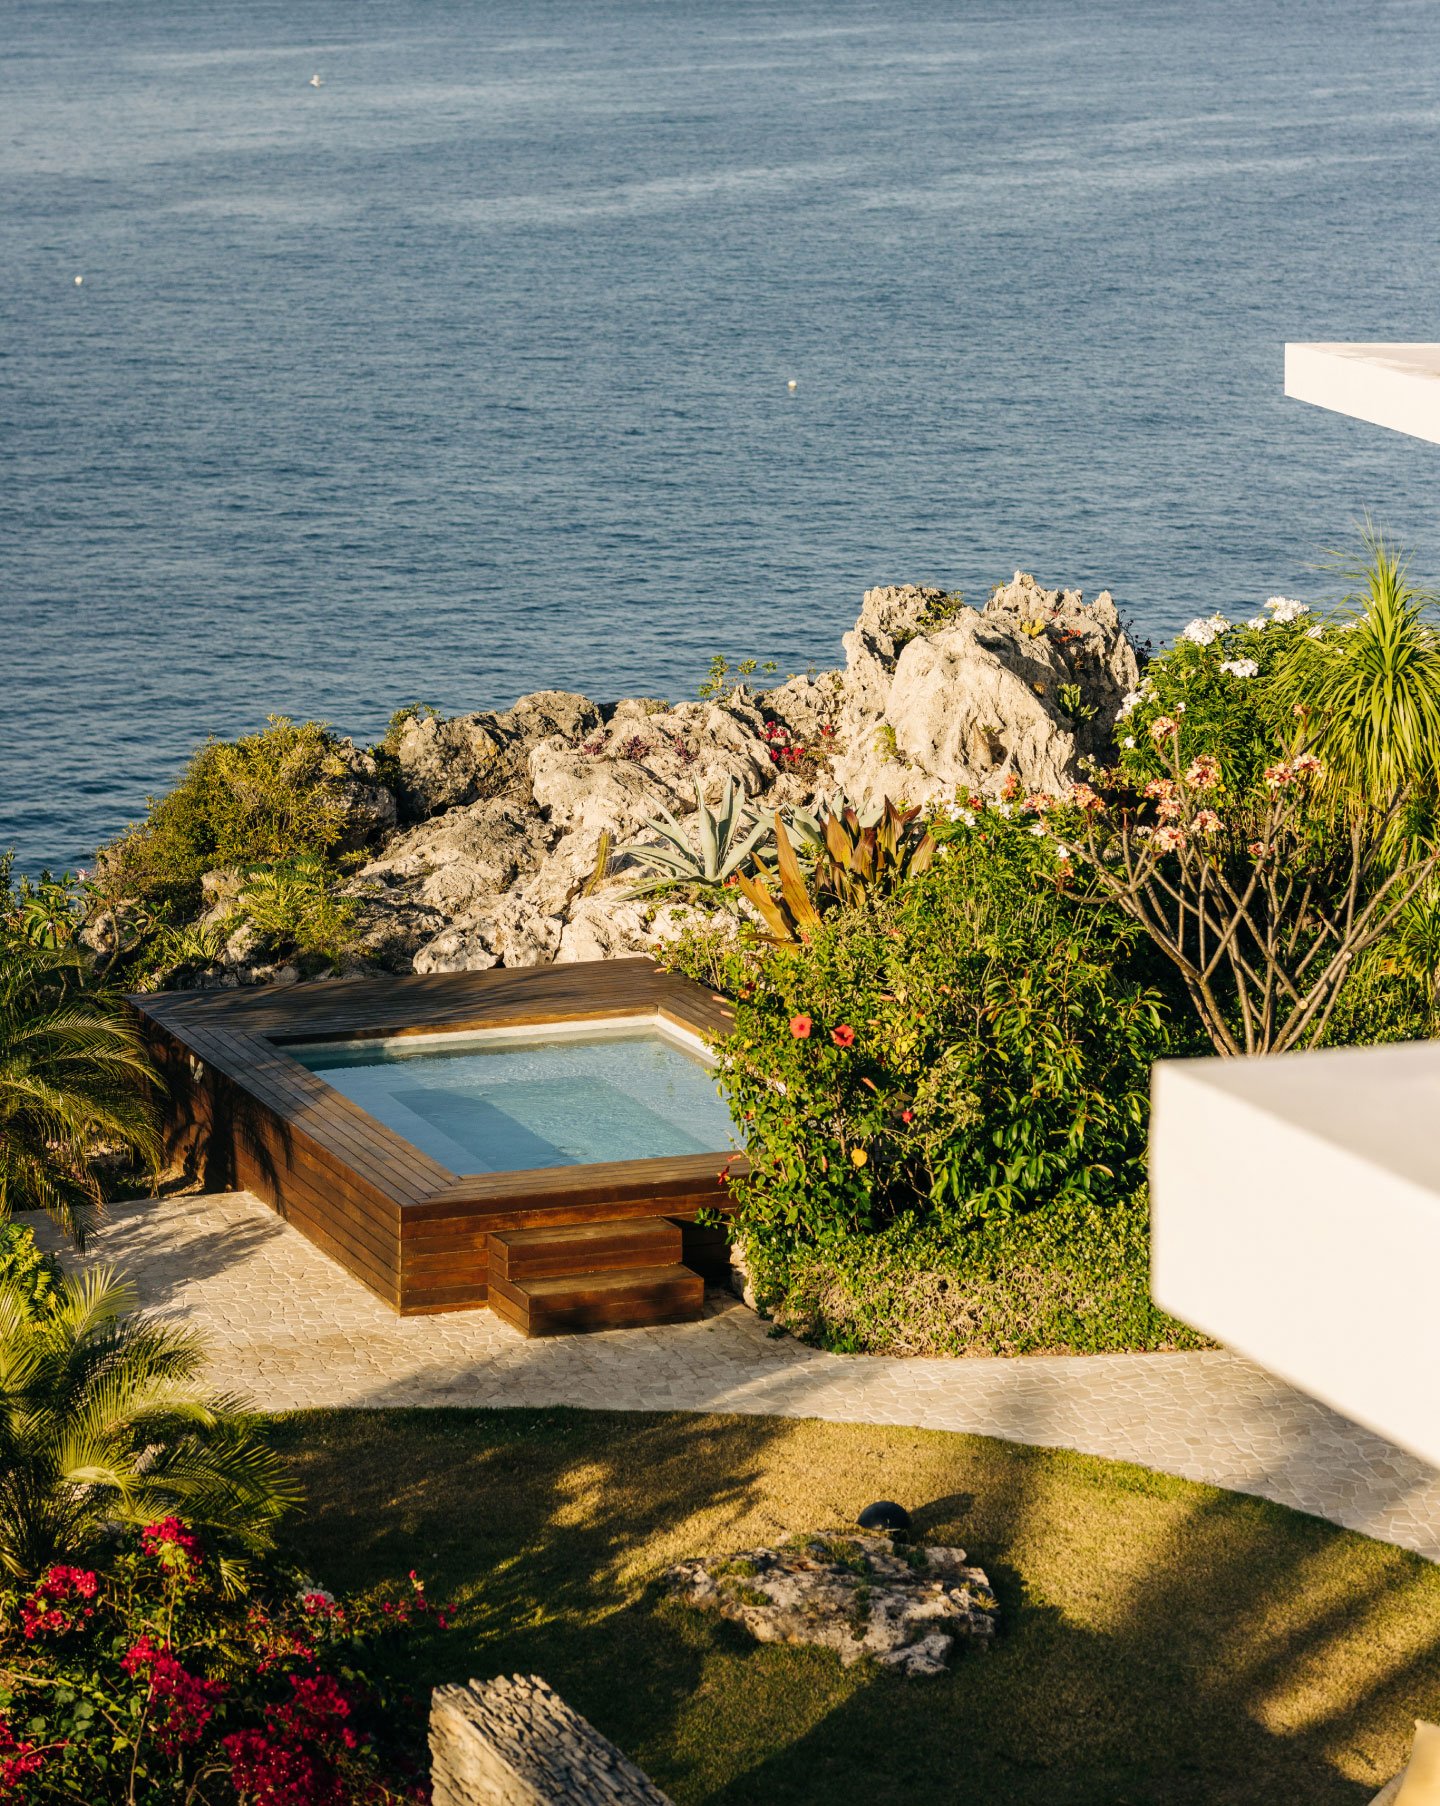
point(291, 1329)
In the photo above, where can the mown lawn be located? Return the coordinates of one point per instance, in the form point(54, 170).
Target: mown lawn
point(1160, 1642)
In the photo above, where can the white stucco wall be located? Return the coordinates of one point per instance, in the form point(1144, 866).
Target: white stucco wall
point(1394, 385)
point(1296, 1214)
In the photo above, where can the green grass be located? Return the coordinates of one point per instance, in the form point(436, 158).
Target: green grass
point(1160, 1642)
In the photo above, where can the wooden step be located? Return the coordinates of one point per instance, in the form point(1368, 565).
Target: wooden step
point(572, 1248)
point(625, 1299)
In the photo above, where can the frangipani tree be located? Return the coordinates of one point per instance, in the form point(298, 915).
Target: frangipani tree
point(1270, 819)
point(1261, 901)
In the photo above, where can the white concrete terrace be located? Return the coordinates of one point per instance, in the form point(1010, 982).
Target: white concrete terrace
point(1392, 385)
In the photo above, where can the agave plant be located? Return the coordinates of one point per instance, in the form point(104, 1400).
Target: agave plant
point(103, 1419)
point(725, 843)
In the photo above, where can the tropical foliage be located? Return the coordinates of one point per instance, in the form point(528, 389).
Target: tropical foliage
point(295, 908)
point(74, 1082)
point(1366, 688)
point(1269, 822)
point(147, 1678)
point(968, 1047)
point(105, 1420)
point(260, 800)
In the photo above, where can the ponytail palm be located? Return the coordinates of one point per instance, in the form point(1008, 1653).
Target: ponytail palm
point(1367, 687)
point(73, 1077)
point(104, 1421)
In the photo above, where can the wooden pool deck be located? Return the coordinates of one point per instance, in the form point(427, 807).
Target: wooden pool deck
point(243, 1114)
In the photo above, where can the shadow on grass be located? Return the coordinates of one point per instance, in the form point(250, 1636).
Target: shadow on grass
point(1162, 1644)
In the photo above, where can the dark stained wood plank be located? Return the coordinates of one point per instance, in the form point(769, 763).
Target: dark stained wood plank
point(572, 1248)
point(623, 1300)
point(415, 1003)
point(604, 1181)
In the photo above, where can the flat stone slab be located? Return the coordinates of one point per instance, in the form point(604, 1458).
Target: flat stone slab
point(515, 1742)
point(294, 1331)
point(904, 1607)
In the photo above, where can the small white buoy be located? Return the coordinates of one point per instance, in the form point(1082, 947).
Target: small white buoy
point(78, 281)
point(792, 385)
point(315, 81)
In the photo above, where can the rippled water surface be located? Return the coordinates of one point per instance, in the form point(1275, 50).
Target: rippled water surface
point(466, 372)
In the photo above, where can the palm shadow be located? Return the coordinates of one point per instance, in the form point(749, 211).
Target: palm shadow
point(1190, 1679)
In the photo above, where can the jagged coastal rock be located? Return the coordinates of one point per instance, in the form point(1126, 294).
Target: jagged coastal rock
point(904, 1607)
point(498, 841)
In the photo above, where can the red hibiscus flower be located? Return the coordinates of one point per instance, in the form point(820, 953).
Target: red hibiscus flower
point(800, 1027)
point(844, 1036)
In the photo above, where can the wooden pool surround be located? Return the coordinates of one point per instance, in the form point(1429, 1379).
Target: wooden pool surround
point(243, 1114)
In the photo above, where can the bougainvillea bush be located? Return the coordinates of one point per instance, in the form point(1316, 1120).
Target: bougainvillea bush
point(147, 1679)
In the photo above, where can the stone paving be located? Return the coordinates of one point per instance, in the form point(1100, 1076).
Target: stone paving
point(291, 1329)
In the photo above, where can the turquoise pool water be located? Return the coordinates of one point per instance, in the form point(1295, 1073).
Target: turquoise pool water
point(499, 1102)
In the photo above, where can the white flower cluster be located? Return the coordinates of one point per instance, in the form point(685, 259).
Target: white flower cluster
point(1132, 699)
point(1240, 667)
point(1206, 632)
point(965, 816)
point(1282, 608)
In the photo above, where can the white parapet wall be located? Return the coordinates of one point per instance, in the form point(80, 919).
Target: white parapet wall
point(1394, 385)
point(1296, 1218)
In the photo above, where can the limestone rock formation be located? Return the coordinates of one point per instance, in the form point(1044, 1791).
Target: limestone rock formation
point(510, 821)
point(369, 801)
point(446, 763)
point(904, 1607)
point(938, 696)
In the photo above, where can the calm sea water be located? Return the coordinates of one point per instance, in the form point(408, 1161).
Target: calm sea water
point(465, 372)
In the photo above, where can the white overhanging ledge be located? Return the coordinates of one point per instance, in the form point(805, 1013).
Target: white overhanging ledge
point(1394, 385)
point(1296, 1218)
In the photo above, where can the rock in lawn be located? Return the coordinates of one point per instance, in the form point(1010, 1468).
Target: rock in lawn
point(858, 1595)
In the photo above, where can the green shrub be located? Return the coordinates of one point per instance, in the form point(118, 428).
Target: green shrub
point(1071, 1279)
point(263, 799)
point(970, 1048)
point(297, 912)
point(25, 1272)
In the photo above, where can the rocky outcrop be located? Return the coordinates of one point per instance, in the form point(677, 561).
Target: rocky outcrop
point(905, 1608)
point(369, 802)
point(499, 840)
point(938, 696)
point(445, 764)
